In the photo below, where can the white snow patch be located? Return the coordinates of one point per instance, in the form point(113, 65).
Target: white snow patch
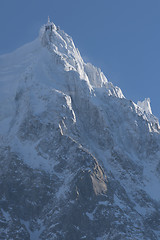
point(145, 105)
point(105, 203)
point(30, 155)
point(90, 216)
point(34, 235)
point(6, 215)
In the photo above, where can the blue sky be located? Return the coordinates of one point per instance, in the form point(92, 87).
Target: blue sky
point(122, 37)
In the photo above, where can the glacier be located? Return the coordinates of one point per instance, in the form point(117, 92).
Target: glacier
point(77, 159)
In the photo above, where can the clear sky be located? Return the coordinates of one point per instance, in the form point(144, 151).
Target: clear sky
point(122, 37)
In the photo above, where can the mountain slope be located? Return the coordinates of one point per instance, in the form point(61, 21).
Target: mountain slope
point(78, 160)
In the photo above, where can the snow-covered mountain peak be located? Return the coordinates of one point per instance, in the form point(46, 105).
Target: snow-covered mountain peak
point(61, 44)
point(77, 159)
point(63, 48)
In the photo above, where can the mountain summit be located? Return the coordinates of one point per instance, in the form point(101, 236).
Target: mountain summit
point(77, 159)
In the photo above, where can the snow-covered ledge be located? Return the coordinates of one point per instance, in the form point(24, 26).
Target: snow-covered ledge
point(145, 105)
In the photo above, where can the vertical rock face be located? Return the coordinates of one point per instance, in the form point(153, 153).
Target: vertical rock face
point(77, 159)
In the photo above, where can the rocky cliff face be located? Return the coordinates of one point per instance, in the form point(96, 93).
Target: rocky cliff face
point(77, 159)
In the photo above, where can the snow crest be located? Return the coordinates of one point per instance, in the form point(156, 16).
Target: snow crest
point(145, 105)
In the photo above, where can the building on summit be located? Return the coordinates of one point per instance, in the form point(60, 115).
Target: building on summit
point(50, 26)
